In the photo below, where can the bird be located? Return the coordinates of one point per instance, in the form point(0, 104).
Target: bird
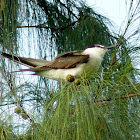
point(73, 64)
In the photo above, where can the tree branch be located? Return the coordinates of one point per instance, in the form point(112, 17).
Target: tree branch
point(125, 31)
point(47, 27)
point(68, 9)
point(114, 99)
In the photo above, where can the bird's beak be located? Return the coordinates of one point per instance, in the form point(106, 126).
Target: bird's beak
point(110, 47)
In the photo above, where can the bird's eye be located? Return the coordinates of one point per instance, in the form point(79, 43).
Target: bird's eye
point(100, 46)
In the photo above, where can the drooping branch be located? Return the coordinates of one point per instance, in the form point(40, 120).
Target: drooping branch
point(48, 6)
point(129, 22)
point(118, 98)
point(68, 9)
point(12, 89)
point(47, 27)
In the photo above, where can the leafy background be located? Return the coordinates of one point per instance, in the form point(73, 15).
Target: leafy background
point(35, 107)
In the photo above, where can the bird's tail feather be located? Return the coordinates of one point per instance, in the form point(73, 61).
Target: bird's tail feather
point(29, 62)
point(22, 70)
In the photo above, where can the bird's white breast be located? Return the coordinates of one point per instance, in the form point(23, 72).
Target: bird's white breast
point(60, 74)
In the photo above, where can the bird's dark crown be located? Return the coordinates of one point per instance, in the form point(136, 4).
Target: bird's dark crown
point(96, 45)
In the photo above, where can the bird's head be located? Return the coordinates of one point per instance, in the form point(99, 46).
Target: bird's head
point(97, 50)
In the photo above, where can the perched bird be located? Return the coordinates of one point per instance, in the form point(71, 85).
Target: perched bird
point(70, 64)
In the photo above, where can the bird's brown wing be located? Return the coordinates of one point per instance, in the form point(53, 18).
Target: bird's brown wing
point(64, 61)
point(30, 62)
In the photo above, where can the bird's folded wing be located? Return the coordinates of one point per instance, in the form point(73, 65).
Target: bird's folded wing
point(63, 62)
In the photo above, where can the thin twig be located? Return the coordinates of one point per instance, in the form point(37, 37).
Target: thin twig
point(12, 89)
point(121, 38)
point(28, 100)
point(68, 9)
point(47, 27)
point(114, 99)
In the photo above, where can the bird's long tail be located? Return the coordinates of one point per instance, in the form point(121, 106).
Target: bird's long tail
point(29, 62)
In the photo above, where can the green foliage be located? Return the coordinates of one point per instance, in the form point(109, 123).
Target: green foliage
point(6, 131)
point(8, 22)
point(86, 112)
point(106, 107)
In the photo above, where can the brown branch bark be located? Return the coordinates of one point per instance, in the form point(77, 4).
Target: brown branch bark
point(117, 98)
point(47, 27)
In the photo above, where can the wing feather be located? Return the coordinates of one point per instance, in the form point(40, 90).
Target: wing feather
point(64, 61)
